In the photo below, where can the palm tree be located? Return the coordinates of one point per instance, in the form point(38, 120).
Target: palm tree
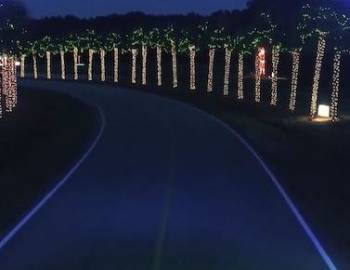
point(34, 48)
point(134, 40)
point(230, 43)
point(73, 43)
point(24, 48)
point(170, 46)
point(46, 47)
point(113, 42)
point(89, 42)
point(63, 48)
point(158, 41)
point(260, 37)
point(188, 43)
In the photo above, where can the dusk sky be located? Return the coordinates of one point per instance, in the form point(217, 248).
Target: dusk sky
point(89, 8)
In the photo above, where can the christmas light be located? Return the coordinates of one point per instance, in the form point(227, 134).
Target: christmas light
point(318, 67)
point(90, 63)
point(103, 64)
point(134, 53)
point(174, 63)
point(159, 66)
point(228, 56)
point(211, 70)
point(116, 64)
point(48, 65)
point(192, 51)
point(240, 76)
point(144, 64)
point(35, 66)
point(8, 83)
point(258, 73)
point(295, 77)
point(63, 65)
point(22, 70)
point(75, 63)
point(276, 50)
point(335, 85)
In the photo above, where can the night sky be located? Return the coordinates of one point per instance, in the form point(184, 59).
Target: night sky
point(90, 8)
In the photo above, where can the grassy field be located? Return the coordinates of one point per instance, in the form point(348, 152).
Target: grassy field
point(39, 142)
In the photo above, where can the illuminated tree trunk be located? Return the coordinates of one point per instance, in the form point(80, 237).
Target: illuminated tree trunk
point(159, 66)
point(174, 64)
point(63, 65)
point(295, 78)
point(144, 64)
point(192, 51)
point(23, 60)
point(240, 76)
point(35, 66)
point(90, 68)
point(335, 85)
point(134, 53)
point(75, 63)
point(211, 70)
point(257, 79)
point(318, 68)
point(116, 64)
point(276, 52)
point(228, 56)
point(48, 65)
point(103, 64)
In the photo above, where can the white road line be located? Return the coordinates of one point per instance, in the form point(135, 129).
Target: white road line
point(49, 195)
point(307, 229)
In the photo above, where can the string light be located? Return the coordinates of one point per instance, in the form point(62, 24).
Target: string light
point(335, 85)
point(258, 73)
point(144, 64)
point(48, 65)
point(174, 63)
point(8, 85)
point(228, 56)
point(276, 51)
point(192, 50)
point(318, 67)
point(240, 76)
point(75, 63)
point(63, 65)
point(134, 53)
point(23, 59)
point(90, 68)
point(295, 77)
point(159, 65)
point(35, 66)
point(116, 64)
point(103, 64)
point(211, 70)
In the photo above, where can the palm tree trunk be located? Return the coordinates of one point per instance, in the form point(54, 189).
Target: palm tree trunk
point(295, 78)
point(134, 53)
point(335, 83)
point(318, 68)
point(228, 56)
point(35, 66)
point(63, 65)
point(159, 66)
point(23, 60)
point(103, 64)
point(48, 65)
point(192, 52)
point(75, 62)
point(276, 52)
point(174, 64)
point(211, 70)
point(116, 64)
point(240, 85)
point(90, 68)
point(144, 64)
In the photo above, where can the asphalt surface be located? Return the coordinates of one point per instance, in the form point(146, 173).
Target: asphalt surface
point(166, 187)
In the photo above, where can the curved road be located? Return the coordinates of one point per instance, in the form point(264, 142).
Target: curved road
point(166, 187)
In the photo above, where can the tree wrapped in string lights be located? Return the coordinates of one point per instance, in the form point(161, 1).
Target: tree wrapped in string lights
point(134, 41)
point(74, 45)
point(62, 48)
point(259, 38)
point(243, 49)
point(158, 41)
point(113, 42)
point(170, 45)
point(89, 41)
point(24, 50)
point(46, 49)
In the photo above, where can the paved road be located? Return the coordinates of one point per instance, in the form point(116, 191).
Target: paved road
point(166, 187)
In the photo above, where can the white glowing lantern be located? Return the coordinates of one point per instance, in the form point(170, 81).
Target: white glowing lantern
point(324, 111)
